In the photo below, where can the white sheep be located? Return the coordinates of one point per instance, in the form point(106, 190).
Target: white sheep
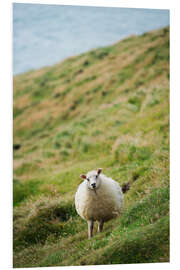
point(98, 198)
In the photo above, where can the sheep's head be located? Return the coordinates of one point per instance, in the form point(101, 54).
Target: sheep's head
point(92, 178)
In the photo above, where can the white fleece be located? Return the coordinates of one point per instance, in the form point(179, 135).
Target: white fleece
point(104, 203)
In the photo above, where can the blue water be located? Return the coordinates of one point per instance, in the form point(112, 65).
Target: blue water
point(46, 34)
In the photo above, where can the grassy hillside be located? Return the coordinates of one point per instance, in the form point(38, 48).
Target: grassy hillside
point(106, 108)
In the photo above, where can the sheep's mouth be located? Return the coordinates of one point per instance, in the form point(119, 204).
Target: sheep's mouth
point(93, 188)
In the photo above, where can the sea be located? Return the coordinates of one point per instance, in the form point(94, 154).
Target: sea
point(46, 34)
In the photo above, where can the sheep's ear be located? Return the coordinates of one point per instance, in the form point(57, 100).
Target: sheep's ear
point(83, 176)
point(99, 171)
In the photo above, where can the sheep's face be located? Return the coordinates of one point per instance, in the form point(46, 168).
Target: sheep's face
point(93, 179)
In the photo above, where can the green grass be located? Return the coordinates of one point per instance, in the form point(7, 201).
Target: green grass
point(21, 191)
point(133, 238)
point(46, 220)
point(106, 108)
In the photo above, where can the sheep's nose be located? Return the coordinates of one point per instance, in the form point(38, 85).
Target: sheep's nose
point(93, 185)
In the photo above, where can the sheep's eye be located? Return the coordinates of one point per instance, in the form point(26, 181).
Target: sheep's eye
point(87, 179)
point(96, 176)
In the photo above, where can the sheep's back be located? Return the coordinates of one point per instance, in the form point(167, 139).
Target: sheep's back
point(104, 204)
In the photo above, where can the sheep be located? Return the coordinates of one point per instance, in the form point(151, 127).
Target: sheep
point(98, 198)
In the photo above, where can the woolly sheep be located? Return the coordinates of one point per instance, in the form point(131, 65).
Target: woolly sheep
point(98, 198)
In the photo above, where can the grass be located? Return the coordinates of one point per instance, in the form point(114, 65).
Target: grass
point(21, 191)
point(106, 108)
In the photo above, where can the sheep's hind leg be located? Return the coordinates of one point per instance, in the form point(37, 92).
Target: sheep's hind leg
point(100, 225)
point(90, 228)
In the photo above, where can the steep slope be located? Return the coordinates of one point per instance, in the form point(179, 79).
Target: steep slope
point(106, 108)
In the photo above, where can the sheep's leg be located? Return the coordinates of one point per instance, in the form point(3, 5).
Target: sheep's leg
point(100, 225)
point(90, 228)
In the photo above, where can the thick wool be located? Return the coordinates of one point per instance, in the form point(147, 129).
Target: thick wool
point(104, 203)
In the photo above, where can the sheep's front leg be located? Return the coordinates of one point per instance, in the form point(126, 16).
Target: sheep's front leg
point(90, 228)
point(100, 225)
